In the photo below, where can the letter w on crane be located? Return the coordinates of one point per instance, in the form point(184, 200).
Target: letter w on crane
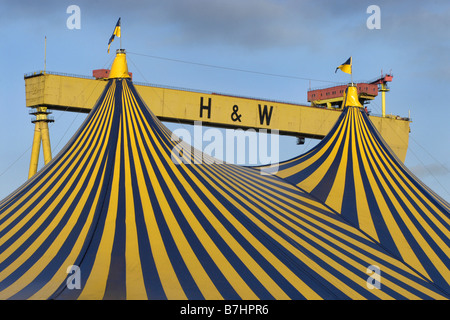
point(263, 114)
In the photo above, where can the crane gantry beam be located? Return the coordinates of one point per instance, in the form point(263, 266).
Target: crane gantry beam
point(78, 94)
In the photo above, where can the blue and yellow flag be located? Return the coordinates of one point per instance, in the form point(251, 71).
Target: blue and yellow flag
point(115, 33)
point(346, 66)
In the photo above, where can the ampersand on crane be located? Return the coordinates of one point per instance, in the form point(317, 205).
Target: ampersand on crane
point(235, 116)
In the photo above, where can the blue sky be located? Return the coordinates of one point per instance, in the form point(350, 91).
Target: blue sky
point(297, 40)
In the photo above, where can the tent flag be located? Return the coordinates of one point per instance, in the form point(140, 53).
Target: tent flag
point(346, 66)
point(115, 33)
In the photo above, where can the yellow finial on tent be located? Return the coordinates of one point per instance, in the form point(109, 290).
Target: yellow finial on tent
point(119, 68)
point(351, 97)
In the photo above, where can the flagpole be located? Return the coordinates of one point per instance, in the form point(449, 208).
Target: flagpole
point(45, 53)
point(351, 68)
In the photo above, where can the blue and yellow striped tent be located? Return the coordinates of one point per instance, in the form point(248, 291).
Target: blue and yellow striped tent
point(353, 172)
point(138, 225)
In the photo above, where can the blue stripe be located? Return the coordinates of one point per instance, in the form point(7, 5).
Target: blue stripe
point(116, 282)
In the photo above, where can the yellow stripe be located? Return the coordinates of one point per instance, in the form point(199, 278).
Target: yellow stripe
point(96, 283)
point(135, 287)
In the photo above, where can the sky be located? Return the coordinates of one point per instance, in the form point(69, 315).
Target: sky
point(270, 49)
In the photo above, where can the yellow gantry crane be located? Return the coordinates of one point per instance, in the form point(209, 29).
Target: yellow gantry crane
point(52, 91)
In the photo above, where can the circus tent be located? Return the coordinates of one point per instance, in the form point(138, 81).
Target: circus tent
point(136, 224)
point(354, 172)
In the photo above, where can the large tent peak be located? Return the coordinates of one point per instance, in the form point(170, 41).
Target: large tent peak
point(119, 68)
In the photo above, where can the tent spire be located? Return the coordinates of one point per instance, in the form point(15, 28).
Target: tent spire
point(119, 68)
point(351, 97)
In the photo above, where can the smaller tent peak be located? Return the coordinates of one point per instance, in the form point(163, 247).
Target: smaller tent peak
point(351, 97)
point(119, 68)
